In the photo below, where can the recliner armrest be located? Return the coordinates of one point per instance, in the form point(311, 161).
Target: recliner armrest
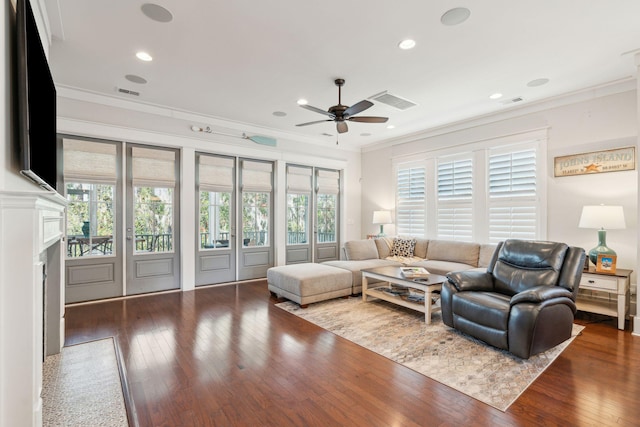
point(539, 294)
point(471, 280)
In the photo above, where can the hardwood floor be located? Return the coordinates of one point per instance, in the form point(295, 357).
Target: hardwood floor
point(225, 356)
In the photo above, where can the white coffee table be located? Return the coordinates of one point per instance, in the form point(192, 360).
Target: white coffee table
point(393, 275)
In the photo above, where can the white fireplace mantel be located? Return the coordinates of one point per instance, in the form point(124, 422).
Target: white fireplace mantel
point(31, 233)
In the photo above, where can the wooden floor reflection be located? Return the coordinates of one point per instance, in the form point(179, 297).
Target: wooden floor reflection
point(225, 356)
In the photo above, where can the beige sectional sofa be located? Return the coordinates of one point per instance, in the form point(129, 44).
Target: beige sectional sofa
point(437, 256)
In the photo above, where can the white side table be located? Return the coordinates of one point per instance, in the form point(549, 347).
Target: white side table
point(616, 285)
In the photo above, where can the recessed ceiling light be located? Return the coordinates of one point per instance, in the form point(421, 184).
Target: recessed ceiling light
point(407, 44)
point(135, 79)
point(538, 82)
point(156, 12)
point(495, 96)
point(279, 113)
point(302, 101)
point(455, 16)
point(144, 56)
point(391, 126)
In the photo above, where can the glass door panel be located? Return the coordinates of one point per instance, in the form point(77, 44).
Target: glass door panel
point(90, 219)
point(153, 219)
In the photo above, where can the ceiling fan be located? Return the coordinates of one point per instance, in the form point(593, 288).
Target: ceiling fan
point(342, 113)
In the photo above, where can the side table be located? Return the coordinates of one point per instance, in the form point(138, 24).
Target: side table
point(616, 285)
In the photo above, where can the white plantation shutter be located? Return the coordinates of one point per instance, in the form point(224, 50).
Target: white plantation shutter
point(328, 181)
point(410, 201)
point(89, 161)
point(513, 195)
point(215, 174)
point(153, 168)
point(256, 176)
point(455, 203)
point(299, 179)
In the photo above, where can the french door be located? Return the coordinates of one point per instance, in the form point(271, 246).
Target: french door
point(235, 219)
point(153, 215)
point(106, 230)
point(312, 214)
point(94, 256)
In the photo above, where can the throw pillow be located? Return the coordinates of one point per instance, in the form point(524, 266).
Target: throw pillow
point(403, 247)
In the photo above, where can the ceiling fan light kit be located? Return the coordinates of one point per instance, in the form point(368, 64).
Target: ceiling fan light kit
point(341, 113)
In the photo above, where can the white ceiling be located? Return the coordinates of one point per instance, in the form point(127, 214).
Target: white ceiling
point(242, 60)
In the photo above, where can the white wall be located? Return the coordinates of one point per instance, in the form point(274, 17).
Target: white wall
point(589, 121)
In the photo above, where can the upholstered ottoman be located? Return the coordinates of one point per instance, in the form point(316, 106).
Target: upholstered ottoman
point(309, 282)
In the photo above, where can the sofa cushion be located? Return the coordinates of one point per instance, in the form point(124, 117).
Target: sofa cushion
point(486, 253)
point(461, 252)
point(403, 247)
point(384, 245)
point(355, 250)
point(420, 250)
point(355, 266)
point(404, 260)
point(435, 266)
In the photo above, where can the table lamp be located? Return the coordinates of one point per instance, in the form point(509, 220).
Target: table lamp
point(602, 218)
point(382, 218)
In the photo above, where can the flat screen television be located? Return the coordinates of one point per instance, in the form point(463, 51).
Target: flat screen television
point(36, 93)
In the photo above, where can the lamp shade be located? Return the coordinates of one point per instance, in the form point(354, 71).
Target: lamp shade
point(602, 217)
point(382, 217)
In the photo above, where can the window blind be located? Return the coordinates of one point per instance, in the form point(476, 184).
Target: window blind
point(410, 203)
point(512, 174)
point(328, 181)
point(153, 168)
point(299, 179)
point(256, 176)
point(513, 198)
point(215, 174)
point(455, 203)
point(89, 161)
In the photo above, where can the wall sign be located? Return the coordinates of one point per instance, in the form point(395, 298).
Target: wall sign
point(620, 159)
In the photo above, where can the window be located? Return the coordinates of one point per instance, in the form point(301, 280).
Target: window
point(90, 178)
point(410, 201)
point(298, 200)
point(216, 180)
point(328, 189)
point(256, 202)
point(455, 204)
point(486, 192)
point(154, 180)
point(513, 195)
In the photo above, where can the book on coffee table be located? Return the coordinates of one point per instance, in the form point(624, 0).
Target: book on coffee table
point(413, 272)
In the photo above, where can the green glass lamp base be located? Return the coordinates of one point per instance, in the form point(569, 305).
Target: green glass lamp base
point(601, 249)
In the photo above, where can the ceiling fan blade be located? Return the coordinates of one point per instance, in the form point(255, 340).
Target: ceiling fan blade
point(342, 127)
point(313, 123)
point(368, 119)
point(357, 108)
point(317, 110)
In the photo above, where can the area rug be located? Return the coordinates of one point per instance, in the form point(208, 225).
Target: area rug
point(489, 375)
point(81, 387)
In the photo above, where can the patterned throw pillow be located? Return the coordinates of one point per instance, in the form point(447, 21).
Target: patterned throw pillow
point(403, 247)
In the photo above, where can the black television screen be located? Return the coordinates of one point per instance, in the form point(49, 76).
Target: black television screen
point(36, 102)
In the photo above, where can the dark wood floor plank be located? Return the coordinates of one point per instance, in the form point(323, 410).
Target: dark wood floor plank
point(226, 356)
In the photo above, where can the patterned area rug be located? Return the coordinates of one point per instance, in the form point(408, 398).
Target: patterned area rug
point(457, 360)
point(81, 387)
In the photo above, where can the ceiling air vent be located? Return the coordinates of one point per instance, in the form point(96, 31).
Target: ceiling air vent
point(393, 100)
point(513, 100)
point(127, 91)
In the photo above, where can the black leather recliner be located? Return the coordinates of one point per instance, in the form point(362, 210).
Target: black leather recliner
point(524, 303)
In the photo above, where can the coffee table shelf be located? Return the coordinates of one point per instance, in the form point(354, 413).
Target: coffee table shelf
point(393, 275)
